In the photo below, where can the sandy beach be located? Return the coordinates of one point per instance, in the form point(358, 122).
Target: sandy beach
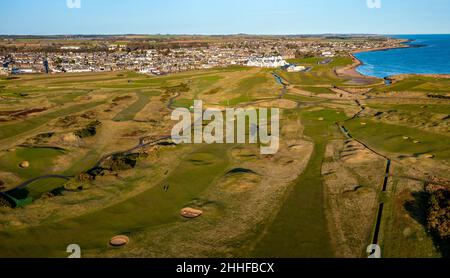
point(351, 69)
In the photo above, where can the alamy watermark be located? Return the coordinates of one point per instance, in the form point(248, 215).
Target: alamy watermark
point(374, 4)
point(73, 4)
point(233, 129)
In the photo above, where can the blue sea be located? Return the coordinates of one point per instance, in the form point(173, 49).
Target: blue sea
point(431, 56)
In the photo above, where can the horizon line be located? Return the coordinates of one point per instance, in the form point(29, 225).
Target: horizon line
point(230, 34)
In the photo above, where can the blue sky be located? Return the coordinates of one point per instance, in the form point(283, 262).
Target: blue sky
point(46, 17)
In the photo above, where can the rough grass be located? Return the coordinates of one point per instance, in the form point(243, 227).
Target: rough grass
point(38, 188)
point(418, 84)
point(183, 103)
point(389, 138)
point(130, 112)
point(402, 226)
point(10, 130)
point(317, 90)
point(319, 75)
point(415, 108)
point(152, 208)
point(300, 227)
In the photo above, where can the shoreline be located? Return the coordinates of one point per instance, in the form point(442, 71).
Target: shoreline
point(353, 72)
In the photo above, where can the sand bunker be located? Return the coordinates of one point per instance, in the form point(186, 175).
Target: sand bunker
point(240, 180)
point(356, 153)
point(118, 241)
point(69, 138)
point(236, 171)
point(24, 164)
point(191, 213)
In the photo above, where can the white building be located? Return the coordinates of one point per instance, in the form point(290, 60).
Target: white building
point(70, 48)
point(328, 54)
point(80, 70)
point(147, 70)
point(267, 62)
point(295, 68)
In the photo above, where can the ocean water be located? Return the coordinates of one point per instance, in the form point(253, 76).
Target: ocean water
point(430, 56)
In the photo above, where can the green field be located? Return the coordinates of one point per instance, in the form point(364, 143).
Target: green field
point(317, 90)
point(150, 209)
point(414, 108)
point(300, 229)
point(144, 200)
point(319, 74)
point(389, 138)
point(10, 130)
point(130, 112)
point(40, 159)
point(419, 84)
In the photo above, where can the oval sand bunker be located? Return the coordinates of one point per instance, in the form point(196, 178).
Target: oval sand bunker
point(191, 213)
point(118, 241)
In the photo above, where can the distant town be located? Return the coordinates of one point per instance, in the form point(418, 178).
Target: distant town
point(161, 55)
